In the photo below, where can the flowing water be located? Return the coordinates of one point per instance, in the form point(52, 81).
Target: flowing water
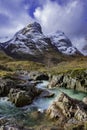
point(8, 110)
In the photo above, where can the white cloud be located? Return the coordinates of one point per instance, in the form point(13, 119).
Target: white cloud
point(70, 17)
point(15, 17)
point(67, 18)
point(80, 43)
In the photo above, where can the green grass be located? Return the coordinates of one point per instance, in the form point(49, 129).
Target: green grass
point(9, 65)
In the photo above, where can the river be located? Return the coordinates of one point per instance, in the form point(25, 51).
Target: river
point(8, 110)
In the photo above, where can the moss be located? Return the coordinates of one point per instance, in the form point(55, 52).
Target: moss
point(85, 125)
point(78, 126)
point(5, 73)
point(77, 65)
point(78, 72)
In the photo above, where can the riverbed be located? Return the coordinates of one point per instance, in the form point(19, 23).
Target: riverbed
point(10, 111)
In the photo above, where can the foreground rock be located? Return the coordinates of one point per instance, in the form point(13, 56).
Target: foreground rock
point(21, 98)
point(67, 108)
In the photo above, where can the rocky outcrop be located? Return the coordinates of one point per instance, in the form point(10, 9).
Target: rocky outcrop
point(34, 75)
point(56, 81)
point(66, 108)
point(76, 80)
point(46, 94)
point(5, 86)
point(21, 97)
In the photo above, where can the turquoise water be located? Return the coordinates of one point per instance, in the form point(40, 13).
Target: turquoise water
point(7, 109)
point(74, 94)
point(44, 103)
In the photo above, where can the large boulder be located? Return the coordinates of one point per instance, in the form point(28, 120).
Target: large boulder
point(21, 97)
point(66, 108)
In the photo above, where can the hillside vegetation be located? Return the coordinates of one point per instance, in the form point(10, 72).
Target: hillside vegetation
point(9, 65)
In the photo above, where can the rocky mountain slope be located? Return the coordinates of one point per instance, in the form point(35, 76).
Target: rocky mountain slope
point(30, 43)
point(63, 44)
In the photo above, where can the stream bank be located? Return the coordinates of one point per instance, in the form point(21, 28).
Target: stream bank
point(32, 116)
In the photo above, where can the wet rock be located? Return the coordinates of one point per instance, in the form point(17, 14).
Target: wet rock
point(46, 93)
point(66, 107)
point(56, 81)
point(19, 97)
point(24, 97)
point(5, 86)
point(26, 85)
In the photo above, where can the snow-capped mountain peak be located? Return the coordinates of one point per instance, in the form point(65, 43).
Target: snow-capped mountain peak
point(31, 42)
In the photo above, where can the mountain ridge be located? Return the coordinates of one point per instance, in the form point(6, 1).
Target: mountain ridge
point(31, 44)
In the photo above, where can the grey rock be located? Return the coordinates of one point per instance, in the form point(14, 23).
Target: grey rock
point(19, 97)
point(5, 86)
point(66, 107)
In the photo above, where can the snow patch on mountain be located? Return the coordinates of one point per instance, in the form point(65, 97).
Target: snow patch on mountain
point(63, 44)
point(5, 39)
point(29, 40)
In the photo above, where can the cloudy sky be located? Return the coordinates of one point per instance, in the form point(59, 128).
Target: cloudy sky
point(69, 16)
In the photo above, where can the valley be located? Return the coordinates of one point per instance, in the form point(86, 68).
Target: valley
point(43, 82)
